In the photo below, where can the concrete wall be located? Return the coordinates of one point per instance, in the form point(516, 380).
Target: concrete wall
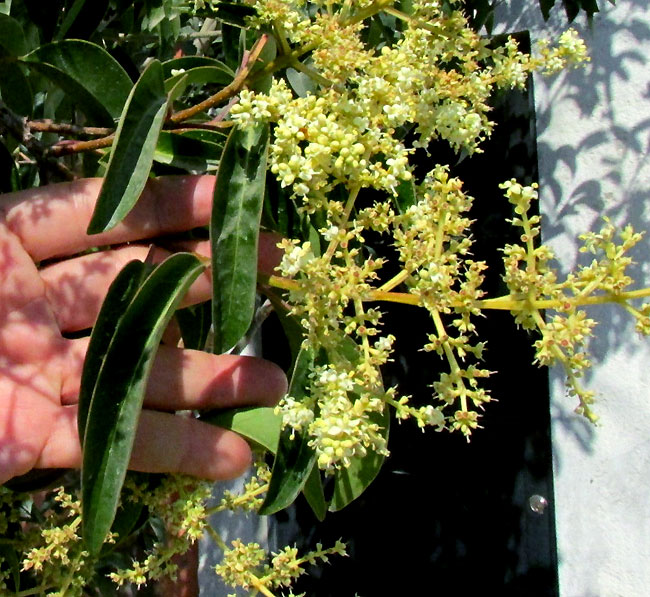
point(593, 139)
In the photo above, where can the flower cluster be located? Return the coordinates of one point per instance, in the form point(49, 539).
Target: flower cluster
point(56, 552)
point(534, 286)
point(244, 565)
point(252, 495)
point(345, 131)
point(179, 502)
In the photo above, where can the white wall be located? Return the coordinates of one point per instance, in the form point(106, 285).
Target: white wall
point(593, 139)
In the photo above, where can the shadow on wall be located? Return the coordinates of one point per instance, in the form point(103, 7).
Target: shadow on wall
point(593, 131)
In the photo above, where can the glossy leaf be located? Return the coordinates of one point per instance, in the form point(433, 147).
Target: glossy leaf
point(133, 150)
point(295, 458)
point(300, 82)
point(184, 151)
point(188, 63)
point(234, 233)
point(12, 38)
point(195, 323)
point(258, 424)
point(121, 293)
point(314, 494)
point(15, 89)
point(87, 73)
point(202, 75)
point(405, 196)
point(113, 402)
point(232, 13)
point(69, 18)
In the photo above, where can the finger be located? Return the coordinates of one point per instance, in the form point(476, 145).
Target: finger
point(167, 443)
point(51, 221)
point(269, 254)
point(164, 443)
point(191, 379)
point(76, 287)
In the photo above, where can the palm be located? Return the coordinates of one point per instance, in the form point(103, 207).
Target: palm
point(40, 369)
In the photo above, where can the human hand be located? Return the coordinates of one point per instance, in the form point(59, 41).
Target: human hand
point(40, 369)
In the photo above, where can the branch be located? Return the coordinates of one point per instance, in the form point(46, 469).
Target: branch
point(17, 127)
point(70, 147)
point(49, 126)
point(227, 92)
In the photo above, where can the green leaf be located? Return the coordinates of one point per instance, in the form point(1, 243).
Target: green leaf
point(314, 494)
point(300, 82)
point(113, 402)
point(12, 38)
point(352, 481)
point(82, 19)
point(292, 329)
point(121, 293)
point(188, 63)
point(258, 424)
point(295, 458)
point(182, 150)
point(195, 323)
point(15, 88)
point(232, 13)
point(202, 75)
point(405, 196)
point(133, 150)
point(234, 233)
point(545, 6)
point(87, 73)
point(70, 16)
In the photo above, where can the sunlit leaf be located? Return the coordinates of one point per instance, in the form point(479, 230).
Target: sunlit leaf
point(258, 424)
point(111, 397)
point(185, 151)
point(86, 72)
point(187, 63)
point(234, 233)
point(295, 458)
point(133, 150)
point(202, 75)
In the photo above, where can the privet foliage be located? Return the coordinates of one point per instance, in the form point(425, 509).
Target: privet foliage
point(332, 99)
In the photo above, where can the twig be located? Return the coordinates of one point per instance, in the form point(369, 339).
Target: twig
point(61, 149)
point(49, 126)
point(17, 127)
point(227, 92)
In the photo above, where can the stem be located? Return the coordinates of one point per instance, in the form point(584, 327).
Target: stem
point(241, 499)
point(344, 220)
point(451, 359)
point(80, 146)
point(413, 22)
point(49, 126)
point(312, 74)
point(394, 281)
point(259, 586)
point(34, 591)
point(17, 128)
point(368, 12)
point(216, 537)
point(230, 90)
point(501, 303)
